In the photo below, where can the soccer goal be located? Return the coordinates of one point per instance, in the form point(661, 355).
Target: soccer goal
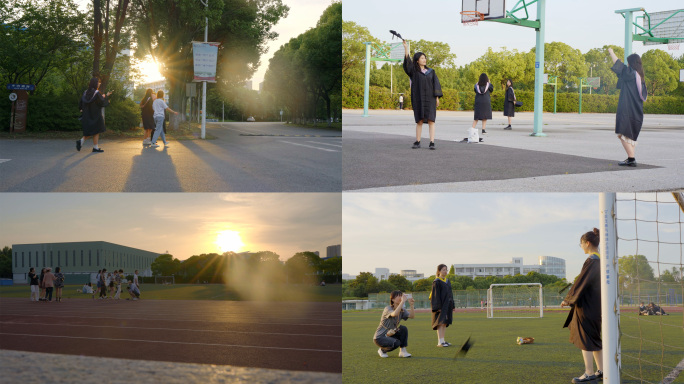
point(167, 280)
point(515, 301)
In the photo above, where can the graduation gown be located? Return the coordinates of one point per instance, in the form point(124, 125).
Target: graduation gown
point(630, 109)
point(509, 103)
point(584, 297)
point(442, 300)
point(92, 121)
point(148, 114)
point(425, 88)
point(483, 103)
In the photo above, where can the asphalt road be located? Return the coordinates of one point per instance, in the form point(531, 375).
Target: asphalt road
point(245, 157)
point(579, 154)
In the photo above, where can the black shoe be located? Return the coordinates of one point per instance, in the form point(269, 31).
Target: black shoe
point(599, 374)
point(628, 163)
point(78, 145)
point(484, 132)
point(481, 140)
point(432, 145)
point(584, 379)
point(508, 128)
point(98, 150)
point(416, 144)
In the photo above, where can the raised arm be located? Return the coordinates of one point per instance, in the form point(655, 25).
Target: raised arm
point(406, 52)
point(412, 310)
point(397, 310)
point(612, 55)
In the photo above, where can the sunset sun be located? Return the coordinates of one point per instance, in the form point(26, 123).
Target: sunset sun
point(229, 241)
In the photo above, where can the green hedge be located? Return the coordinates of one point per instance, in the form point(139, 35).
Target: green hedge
point(454, 100)
point(60, 113)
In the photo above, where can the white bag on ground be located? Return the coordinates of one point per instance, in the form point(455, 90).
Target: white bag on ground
point(473, 135)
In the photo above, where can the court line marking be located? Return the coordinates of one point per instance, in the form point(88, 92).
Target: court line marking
point(174, 342)
point(332, 145)
point(168, 329)
point(310, 146)
point(203, 321)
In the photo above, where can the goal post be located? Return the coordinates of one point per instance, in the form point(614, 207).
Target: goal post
point(167, 280)
point(515, 301)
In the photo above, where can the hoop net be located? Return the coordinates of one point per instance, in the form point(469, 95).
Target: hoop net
point(673, 46)
point(471, 18)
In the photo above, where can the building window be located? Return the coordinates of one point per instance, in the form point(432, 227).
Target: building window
point(44, 259)
point(22, 259)
point(82, 258)
point(98, 257)
point(59, 258)
point(51, 259)
point(90, 258)
point(73, 258)
point(66, 258)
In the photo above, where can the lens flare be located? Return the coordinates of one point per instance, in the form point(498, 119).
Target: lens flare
point(229, 241)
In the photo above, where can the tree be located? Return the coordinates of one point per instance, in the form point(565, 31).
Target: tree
point(634, 269)
point(564, 61)
point(452, 271)
point(112, 42)
point(400, 282)
point(165, 265)
point(302, 267)
point(438, 54)
point(386, 286)
point(332, 268)
point(661, 72)
point(667, 277)
point(39, 37)
point(6, 262)
point(422, 285)
point(600, 63)
point(364, 283)
point(353, 49)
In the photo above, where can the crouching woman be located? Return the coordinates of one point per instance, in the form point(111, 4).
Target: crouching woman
point(390, 335)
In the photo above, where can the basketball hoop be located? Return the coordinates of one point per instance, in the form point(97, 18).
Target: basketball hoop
point(673, 46)
point(470, 18)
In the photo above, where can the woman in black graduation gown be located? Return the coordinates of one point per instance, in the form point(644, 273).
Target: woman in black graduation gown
point(630, 109)
point(425, 93)
point(509, 103)
point(442, 300)
point(584, 318)
point(483, 101)
point(92, 121)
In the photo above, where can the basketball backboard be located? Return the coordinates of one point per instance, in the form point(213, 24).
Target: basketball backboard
point(672, 27)
point(594, 82)
point(490, 9)
point(397, 51)
point(681, 75)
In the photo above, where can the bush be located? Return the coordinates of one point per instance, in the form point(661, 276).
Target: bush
point(122, 115)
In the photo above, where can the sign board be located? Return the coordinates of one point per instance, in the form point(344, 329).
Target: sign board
point(25, 87)
point(190, 90)
point(204, 58)
point(20, 112)
point(13, 96)
point(546, 78)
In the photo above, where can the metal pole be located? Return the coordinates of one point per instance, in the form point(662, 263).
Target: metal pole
point(555, 95)
point(391, 80)
point(539, 71)
point(610, 309)
point(204, 83)
point(629, 16)
point(366, 80)
point(223, 111)
point(580, 95)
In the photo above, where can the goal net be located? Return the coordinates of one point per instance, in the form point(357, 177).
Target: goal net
point(167, 280)
point(515, 300)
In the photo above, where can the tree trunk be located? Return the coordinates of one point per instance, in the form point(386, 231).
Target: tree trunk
point(97, 37)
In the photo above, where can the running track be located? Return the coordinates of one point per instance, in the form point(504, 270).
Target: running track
point(291, 336)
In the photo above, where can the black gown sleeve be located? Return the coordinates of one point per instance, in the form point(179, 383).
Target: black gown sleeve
point(586, 279)
point(436, 301)
point(408, 66)
point(101, 100)
point(437, 87)
point(491, 88)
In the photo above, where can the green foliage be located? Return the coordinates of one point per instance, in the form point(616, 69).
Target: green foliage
point(661, 72)
point(6, 262)
point(364, 284)
point(301, 267)
point(122, 115)
point(600, 63)
point(400, 283)
point(634, 269)
point(165, 265)
point(422, 285)
point(438, 54)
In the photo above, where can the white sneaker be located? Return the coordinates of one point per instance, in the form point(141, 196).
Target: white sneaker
point(154, 145)
point(381, 353)
point(401, 354)
point(147, 142)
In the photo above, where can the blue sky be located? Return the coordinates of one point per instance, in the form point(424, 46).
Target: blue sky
point(183, 224)
point(421, 230)
point(583, 24)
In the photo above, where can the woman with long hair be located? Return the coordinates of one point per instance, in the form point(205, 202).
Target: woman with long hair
point(147, 114)
point(630, 110)
point(425, 93)
point(390, 335)
point(59, 284)
point(33, 282)
point(509, 103)
point(584, 319)
point(442, 301)
point(92, 121)
point(483, 102)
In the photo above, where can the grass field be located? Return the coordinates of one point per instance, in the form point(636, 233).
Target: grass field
point(329, 293)
point(495, 356)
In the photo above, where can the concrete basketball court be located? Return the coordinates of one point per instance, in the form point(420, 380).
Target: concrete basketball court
point(579, 154)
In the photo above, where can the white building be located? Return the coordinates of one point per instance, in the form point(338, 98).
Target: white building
point(548, 265)
point(411, 275)
point(346, 276)
point(158, 85)
point(382, 274)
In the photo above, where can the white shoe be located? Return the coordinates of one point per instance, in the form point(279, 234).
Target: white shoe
point(166, 145)
point(381, 353)
point(154, 145)
point(401, 354)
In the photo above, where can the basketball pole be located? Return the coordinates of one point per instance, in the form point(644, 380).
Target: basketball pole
point(628, 14)
point(610, 308)
point(366, 80)
point(539, 71)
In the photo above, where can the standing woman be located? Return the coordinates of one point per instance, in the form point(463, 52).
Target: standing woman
point(147, 115)
point(41, 284)
point(49, 283)
point(92, 121)
point(34, 284)
point(509, 103)
point(584, 318)
point(159, 106)
point(442, 300)
point(59, 284)
point(630, 109)
point(425, 93)
point(483, 102)
point(390, 335)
